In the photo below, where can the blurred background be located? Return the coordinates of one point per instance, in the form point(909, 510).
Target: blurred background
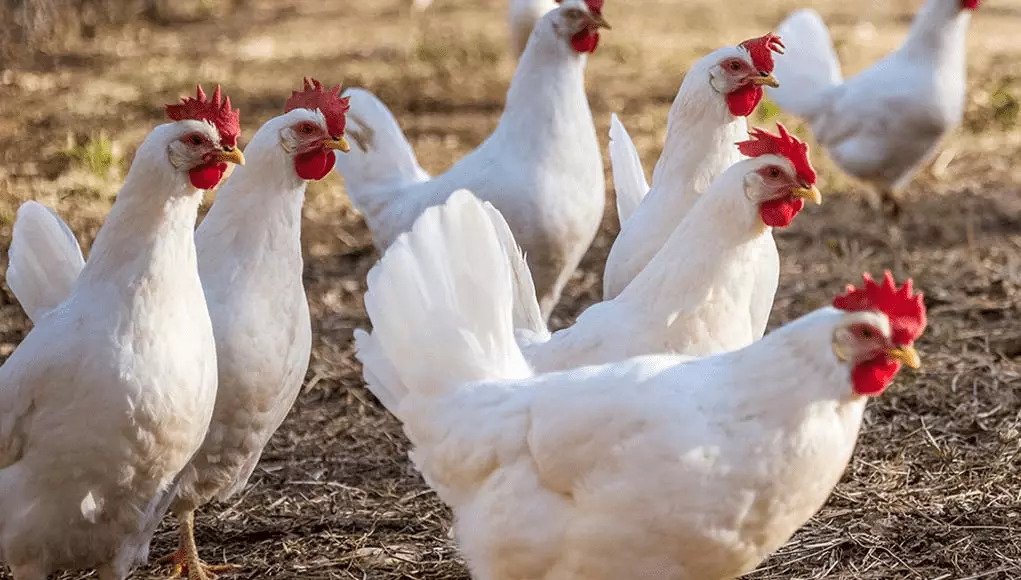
point(933, 491)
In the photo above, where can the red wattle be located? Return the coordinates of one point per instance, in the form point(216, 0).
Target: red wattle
point(969, 4)
point(744, 100)
point(871, 378)
point(585, 41)
point(779, 213)
point(207, 176)
point(314, 165)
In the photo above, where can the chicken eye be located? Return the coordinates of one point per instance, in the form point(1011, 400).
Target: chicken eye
point(734, 65)
point(307, 128)
point(866, 332)
point(774, 173)
point(195, 140)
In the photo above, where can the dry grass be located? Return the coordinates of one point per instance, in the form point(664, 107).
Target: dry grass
point(933, 491)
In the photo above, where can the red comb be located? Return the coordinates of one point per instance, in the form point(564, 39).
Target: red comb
point(596, 6)
point(905, 310)
point(765, 143)
point(220, 115)
point(328, 102)
point(761, 50)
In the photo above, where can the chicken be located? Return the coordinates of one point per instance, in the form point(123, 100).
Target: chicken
point(881, 125)
point(654, 468)
point(541, 167)
point(702, 302)
point(111, 393)
point(705, 120)
point(522, 15)
point(250, 264)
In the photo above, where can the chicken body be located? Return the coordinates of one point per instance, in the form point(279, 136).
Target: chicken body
point(550, 475)
point(541, 167)
point(110, 394)
point(881, 125)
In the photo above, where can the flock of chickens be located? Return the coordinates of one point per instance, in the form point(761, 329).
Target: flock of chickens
point(157, 370)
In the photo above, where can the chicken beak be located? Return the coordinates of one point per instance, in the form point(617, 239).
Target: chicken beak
point(810, 193)
point(906, 355)
point(766, 79)
point(600, 22)
point(339, 143)
point(232, 155)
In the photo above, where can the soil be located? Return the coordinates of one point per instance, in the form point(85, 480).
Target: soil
point(934, 490)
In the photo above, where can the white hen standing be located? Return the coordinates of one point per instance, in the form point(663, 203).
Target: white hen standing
point(706, 119)
point(550, 476)
point(110, 394)
point(541, 167)
point(250, 264)
point(881, 125)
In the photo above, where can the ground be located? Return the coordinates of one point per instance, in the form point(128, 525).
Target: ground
point(933, 490)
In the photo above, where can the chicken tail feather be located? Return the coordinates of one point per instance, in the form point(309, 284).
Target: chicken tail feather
point(441, 304)
point(808, 66)
point(528, 318)
point(45, 260)
point(381, 160)
point(628, 176)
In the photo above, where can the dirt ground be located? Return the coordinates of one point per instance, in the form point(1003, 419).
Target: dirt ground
point(934, 491)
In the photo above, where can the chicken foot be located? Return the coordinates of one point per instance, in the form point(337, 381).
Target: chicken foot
point(186, 559)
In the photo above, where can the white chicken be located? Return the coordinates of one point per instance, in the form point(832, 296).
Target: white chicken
point(550, 475)
point(881, 125)
point(250, 264)
point(541, 167)
point(706, 119)
point(110, 394)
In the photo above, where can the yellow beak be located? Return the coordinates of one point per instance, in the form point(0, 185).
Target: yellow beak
point(232, 155)
point(340, 144)
point(907, 355)
point(768, 80)
point(809, 193)
point(600, 22)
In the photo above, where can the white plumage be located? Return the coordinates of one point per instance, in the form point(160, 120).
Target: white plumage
point(45, 259)
point(550, 475)
point(110, 394)
point(884, 123)
point(541, 167)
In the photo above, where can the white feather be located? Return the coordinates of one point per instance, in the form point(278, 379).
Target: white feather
point(45, 259)
point(444, 289)
point(809, 64)
point(628, 176)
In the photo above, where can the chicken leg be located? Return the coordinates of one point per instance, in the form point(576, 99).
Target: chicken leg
point(186, 559)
